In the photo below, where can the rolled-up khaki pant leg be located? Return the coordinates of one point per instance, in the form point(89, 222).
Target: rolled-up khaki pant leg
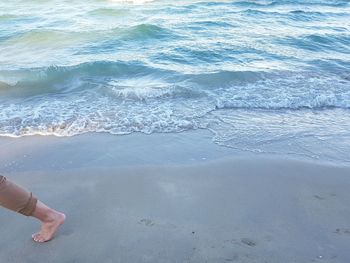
point(16, 198)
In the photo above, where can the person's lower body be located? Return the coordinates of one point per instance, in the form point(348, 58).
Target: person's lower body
point(18, 199)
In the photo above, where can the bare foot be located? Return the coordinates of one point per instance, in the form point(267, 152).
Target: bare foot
point(49, 227)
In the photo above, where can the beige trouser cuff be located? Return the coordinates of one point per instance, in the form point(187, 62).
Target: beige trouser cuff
point(16, 198)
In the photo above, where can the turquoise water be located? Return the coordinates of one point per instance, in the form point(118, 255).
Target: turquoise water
point(263, 76)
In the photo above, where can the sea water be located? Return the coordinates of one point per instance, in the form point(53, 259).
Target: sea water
point(270, 76)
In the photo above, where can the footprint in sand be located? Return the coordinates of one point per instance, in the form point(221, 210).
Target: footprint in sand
point(320, 197)
point(249, 242)
point(149, 222)
point(342, 231)
point(235, 257)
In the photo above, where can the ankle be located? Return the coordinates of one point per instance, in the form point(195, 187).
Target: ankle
point(46, 214)
point(50, 216)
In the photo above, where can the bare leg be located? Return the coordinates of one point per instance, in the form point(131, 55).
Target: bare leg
point(50, 219)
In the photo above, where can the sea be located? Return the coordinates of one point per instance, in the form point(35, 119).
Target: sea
point(262, 76)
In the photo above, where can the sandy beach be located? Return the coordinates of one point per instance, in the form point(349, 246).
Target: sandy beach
point(174, 198)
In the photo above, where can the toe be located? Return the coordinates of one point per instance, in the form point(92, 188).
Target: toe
point(36, 237)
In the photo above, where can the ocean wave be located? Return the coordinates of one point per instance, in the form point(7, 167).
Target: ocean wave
point(265, 4)
point(143, 31)
point(123, 37)
point(295, 15)
point(225, 78)
point(40, 36)
point(49, 38)
point(310, 16)
point(135, 81)
point(311, 13)
point(210, 24)
point(253, 3)
point(39, 81)
point(316, 42)
point(53, 38)
point(106, 70)
point(115, 75)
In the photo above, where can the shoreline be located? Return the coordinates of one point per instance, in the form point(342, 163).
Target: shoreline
point(196, 146)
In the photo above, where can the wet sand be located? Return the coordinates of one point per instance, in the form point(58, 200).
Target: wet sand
point(174, 198)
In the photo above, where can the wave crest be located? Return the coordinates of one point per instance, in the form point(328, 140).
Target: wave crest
point(121, 98)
